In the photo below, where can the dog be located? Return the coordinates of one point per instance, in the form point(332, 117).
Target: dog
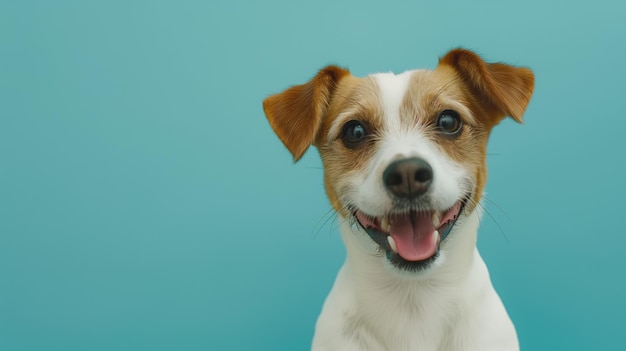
point(404, 158)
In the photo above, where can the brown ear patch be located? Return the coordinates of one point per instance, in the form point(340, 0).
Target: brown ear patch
point(296, 114)
point(504, 89)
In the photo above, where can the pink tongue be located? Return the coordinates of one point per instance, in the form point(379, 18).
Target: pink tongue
point(413, 235)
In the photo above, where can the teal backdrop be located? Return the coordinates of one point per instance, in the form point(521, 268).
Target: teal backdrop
point(145, 203)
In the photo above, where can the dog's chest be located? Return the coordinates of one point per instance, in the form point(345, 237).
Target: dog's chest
point(405, 319)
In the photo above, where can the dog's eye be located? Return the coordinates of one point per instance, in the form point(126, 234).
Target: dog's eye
point(449, 123)
point(353, 134)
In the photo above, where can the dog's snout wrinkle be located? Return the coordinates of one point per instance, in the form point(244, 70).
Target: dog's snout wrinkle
point(408, 178)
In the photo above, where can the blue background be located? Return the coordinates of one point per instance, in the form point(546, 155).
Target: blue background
point(145, 203)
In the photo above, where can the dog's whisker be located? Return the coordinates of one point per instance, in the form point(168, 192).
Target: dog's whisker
point(484, 209)
point(497, 207)
point(337, 225)
point(322, 222)
point(498, 225)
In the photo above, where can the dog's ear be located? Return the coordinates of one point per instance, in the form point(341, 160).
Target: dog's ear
point(296, 114)
point(505, 89)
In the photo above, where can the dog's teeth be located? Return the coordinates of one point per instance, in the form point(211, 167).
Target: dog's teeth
point(392, 244)
point(436, 219)
point(384, 225)
point(436, 237)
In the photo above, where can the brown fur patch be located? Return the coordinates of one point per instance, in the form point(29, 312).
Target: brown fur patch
point(297, 113)
point(504, 90)
point(356, 99)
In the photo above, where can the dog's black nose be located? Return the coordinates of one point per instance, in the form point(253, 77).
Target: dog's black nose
point(408, 178)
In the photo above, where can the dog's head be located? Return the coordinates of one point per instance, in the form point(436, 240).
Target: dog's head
point(404, 155)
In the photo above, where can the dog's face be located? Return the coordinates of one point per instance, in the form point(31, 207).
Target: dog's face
point(404, 155)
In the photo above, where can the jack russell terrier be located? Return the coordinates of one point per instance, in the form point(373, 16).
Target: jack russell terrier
point(405, 167)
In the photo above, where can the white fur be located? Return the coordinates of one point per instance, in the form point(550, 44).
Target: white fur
point(454, 308)
point(452, 305)
point(392, 88)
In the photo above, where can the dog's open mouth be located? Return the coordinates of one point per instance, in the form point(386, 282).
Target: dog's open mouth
point(411, 239)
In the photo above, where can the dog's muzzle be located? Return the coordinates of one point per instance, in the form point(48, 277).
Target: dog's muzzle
point(412, 233)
